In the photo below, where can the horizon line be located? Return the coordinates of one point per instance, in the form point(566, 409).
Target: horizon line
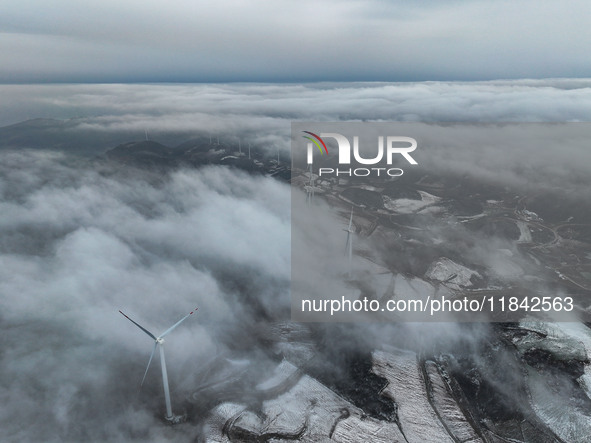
point(293, 82)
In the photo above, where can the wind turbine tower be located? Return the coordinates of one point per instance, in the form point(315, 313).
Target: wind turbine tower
point(349, 243)
point(310, 188)
point(159, 342)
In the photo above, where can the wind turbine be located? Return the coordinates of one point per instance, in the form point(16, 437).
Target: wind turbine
point(160, 341)
point(349, 244)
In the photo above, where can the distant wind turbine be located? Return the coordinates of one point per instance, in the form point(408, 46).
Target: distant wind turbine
point(160, 341)
point(349, 243)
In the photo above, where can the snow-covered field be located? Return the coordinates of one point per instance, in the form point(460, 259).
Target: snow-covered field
point(406, 387)
point(451, 273)
point(568, 342)
point(409, 206)
point(308, 411)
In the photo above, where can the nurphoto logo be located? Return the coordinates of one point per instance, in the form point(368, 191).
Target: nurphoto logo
point(394, 145)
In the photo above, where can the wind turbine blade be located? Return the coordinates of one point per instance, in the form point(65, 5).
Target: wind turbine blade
point(149, 361)
point(139, 326)
point(177, 323)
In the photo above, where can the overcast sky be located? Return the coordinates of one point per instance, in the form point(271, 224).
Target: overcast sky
point(303, 40)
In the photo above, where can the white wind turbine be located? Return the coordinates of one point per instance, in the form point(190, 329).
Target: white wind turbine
point(349, 243)
point(160, 341)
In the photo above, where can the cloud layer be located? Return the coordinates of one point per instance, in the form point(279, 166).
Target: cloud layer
point(292, 41)
point(79, 244)
point(79, 240)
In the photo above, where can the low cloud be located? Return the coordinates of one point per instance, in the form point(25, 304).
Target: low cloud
point(80, 239)
point(79, 245)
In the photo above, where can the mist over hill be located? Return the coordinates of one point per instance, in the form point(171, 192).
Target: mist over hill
point(147, 201)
